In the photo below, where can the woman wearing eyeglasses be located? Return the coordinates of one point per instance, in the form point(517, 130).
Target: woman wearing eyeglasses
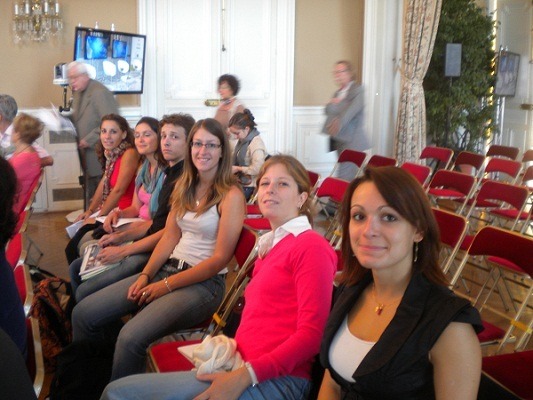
point(180, 291)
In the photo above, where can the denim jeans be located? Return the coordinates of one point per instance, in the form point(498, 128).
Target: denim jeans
point(183, 308)
point(128, 266)
point(185, 386)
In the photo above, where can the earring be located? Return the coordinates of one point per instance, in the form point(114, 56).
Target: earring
point(416, 252)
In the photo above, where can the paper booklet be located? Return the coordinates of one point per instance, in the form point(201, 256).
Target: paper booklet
point(121, 221)
point(90, 265)
point(73, 228)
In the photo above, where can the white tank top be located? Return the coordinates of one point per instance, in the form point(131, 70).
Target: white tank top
point(347, 351)
point(198, 236)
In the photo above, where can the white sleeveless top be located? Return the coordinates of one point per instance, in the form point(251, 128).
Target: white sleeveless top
point(347, 351)
point(198, 236)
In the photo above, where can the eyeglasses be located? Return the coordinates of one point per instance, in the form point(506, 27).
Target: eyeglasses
point(339, 71)
point(208, 146)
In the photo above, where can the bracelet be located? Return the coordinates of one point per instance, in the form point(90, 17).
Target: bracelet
point(252, 373)
point(167, 285)
point(145, 274)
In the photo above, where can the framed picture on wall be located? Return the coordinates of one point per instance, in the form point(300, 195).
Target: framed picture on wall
point(507, 75)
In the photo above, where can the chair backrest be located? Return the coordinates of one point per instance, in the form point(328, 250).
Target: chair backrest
point(245, 255)
point(420, 172)
point(511, 246)
point(498, 166)
point(452, 229)
point(452, 181)
point(355, 157)
point(442, 154)
point(245, 246)
point(501, 193)
point(313, 178)
point(497, 150)
point(30, 196)
point(527, 177)
point(452, 226)
point(381, 161)
point(528, 156)
point(334, 188)
point(463, 183)
point(469, 159)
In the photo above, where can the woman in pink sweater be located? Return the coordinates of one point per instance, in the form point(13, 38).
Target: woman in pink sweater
point(25, 160)
point(287, 304)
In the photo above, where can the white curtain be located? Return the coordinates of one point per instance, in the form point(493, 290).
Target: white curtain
point(420, 29)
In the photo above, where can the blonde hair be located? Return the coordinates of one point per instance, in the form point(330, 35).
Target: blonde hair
point(183, 196)
point(29, 128)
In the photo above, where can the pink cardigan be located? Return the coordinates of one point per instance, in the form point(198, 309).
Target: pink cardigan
point(27, 166)
point(287, 305)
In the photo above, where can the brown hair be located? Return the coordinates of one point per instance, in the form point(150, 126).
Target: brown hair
point(243, 120)
point(298, 173)
point(29, 128)
point(153, 123)
point(182, 198)
point(404, 194)
point(186, 121)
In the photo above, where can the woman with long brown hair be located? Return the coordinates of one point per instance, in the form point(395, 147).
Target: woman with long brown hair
point(396, 331)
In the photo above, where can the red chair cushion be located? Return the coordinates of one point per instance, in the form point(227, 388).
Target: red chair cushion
point(512, 371)
point(506, 264)
point(446, 193)
point(167, 358)
point(490, 333)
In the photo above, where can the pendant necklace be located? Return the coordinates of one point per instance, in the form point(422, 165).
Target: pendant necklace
point(380, 306)
point(201, 198)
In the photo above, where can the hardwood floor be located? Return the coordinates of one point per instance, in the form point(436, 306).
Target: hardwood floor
point(46, 231)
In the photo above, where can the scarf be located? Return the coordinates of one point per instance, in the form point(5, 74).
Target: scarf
point(241, 148)
point(111, 157)
point(152, 184)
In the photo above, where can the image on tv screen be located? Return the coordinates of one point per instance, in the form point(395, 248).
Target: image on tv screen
point(96, 47)
point(120, 49)
point(115, 59)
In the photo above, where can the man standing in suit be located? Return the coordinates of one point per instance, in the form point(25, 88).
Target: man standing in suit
point(345, 116)
point(91, 102)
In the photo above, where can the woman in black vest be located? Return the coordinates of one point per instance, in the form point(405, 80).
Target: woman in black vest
point(396, 331)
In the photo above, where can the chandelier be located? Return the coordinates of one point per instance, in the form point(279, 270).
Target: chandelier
point(36, 20)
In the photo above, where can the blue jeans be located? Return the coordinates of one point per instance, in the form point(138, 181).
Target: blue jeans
point(183, 308)
point(185, 386)
point(128, 266)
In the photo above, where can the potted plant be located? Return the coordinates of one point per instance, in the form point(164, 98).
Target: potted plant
point(460, 110)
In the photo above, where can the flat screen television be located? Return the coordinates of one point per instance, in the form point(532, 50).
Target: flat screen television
point(116, 59)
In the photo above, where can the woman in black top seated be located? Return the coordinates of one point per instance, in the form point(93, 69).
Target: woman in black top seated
point(396, 331)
